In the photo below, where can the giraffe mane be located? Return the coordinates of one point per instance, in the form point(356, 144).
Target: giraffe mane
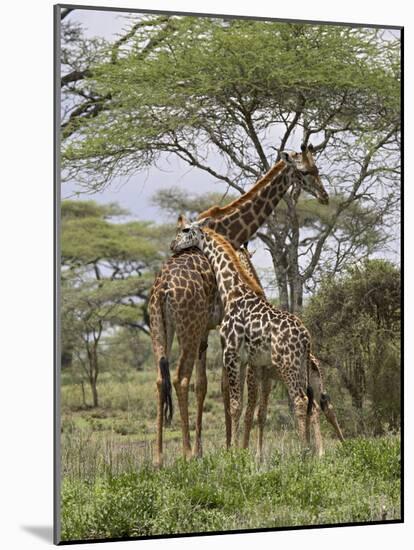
point(248, 266)
point(218, 211)
point(244, 275)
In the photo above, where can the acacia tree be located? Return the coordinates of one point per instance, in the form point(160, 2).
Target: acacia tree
point(174, 201)
point(107, 271)
point(226, 97)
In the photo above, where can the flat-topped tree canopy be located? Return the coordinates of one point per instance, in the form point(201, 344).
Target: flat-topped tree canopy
point(179, 84)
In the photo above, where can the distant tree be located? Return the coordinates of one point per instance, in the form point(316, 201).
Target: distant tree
point(175, 200)
point(126, 348)
point(107, 271)
point(355, 322)
point(225, 97)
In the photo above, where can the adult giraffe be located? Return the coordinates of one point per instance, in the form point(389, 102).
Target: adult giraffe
point(184, 298)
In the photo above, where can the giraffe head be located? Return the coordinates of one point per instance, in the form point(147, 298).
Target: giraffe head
point(305, 172)
point(198, 234)
point(188, 234)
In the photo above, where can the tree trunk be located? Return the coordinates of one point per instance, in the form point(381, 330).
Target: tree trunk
point(66, 358)
point(282, 286)
point(295, 280)
point(297, 298)
point(94, 394)
point(83, 395)
point(93, 374)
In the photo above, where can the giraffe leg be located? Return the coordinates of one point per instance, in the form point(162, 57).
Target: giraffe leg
point(231, 363)
point(313, 417)
point(226, 401)
point(322, 397)
point(330, 415)
point(200, 391)
point(316, 430)
point(266, 386)
point(243, 370)
point(164, 406)
point(309, 410)
point(251, 404)
point(289, 371)
point(181, 383)
point(158, 459)
point(300, 406)
point(161, 348)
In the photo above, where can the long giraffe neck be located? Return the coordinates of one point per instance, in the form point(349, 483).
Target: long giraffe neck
point(245, 260)
point(228, 269)
point(240, 220)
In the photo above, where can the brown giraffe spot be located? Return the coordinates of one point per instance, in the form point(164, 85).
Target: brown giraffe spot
point(248, 218)
point(243, 236)
point(235, 227)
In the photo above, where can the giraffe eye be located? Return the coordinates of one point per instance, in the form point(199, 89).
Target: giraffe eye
point(186, 230)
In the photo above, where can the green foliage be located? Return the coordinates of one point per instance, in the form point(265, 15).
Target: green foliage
point(110, 488)
point(90, 209)
point(355, 322)
point(108, 267)
point(176, 201)
point(357, 482)
point(208, 79)
point(89, 234)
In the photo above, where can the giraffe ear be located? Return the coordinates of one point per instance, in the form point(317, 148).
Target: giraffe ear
point(181, 222)
point(203, 222)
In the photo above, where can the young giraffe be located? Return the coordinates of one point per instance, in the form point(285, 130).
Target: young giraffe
point(184, 297)
point(252, 326)
point(259, 381)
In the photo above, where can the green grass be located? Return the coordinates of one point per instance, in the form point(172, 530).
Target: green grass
point(356, 482)
point(110, 489)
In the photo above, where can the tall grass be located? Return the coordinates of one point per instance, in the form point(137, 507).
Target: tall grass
point(110, 489)
point(356, 482)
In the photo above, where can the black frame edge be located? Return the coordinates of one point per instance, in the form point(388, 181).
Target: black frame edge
point(227, 16)
point(56, 268)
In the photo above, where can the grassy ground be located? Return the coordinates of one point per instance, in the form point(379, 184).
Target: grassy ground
point(110, 488)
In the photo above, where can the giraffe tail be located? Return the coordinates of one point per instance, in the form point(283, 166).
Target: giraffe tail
point(160, 347)
point(309, 389)
point(166, 392)
point(309, 394)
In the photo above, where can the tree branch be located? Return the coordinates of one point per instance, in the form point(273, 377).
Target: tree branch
point(293, 123)
point(75, 76)
point(188, 157)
